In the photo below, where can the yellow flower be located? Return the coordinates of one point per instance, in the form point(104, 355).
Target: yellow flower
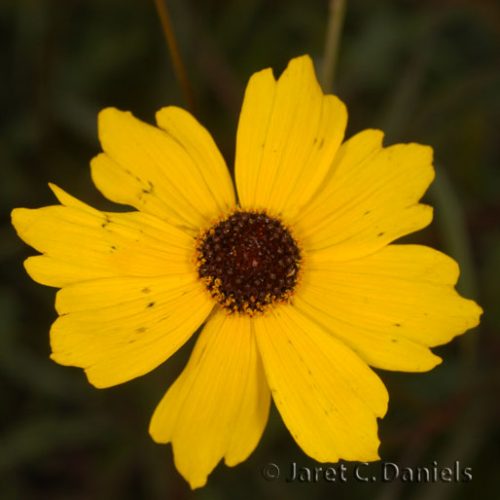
point(295, 280)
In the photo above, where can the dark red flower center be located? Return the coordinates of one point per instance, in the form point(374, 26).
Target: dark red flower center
point(248, 261)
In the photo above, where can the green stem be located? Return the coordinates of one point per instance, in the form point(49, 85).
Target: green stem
point(173, 48)
point(332, 42)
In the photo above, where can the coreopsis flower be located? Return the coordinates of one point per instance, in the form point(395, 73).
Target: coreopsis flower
point(291, 273)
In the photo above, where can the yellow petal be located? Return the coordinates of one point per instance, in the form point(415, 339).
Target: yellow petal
point(123, 327)
point(58, 273)
point(390, 306)
point(203, 152)
point(81, 243)
point(328, 398)
point(288, 135)
point(69, 201)
point(369, 198)
point(219, 405)
point(176, 173)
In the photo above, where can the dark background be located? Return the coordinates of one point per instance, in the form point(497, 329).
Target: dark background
point(424, 71)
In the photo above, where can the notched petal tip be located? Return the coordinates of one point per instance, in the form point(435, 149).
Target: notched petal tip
point(171, 112)
point(298, 68)
point(99, 382)
point(31, 270)
point(428, 212)
point(67, 200)
point(21, 219)
point(156, 430)
point(110, 111)
point(303, 61)
point(194, 481)
point(476, 311)
point(480, 311)
point(60, 358)
point(426, 153)
point(107, 118)
point(437, 361)
point(340, 109)
point(264, 77)
point(381, 411)
point(59, 193)
point(374, 136)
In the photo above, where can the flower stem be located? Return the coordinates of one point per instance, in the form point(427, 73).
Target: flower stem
point(173, 48)
point(332, 43)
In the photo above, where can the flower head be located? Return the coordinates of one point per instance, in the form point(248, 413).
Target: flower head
point(296, 281)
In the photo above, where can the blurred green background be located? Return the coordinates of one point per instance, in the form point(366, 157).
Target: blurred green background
point(425, 71)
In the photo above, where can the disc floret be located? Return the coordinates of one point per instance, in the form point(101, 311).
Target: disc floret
point(248, 261)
